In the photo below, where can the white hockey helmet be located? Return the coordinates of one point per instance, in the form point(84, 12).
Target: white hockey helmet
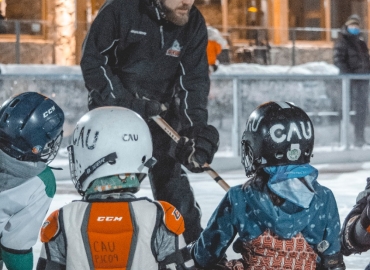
point(109, 141)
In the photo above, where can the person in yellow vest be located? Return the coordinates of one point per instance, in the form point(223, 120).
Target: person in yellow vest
point(110, 154)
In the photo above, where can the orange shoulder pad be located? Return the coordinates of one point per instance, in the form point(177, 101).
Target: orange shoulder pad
point(50, 227)
point(172, 218)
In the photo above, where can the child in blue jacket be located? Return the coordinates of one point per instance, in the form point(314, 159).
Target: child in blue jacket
point(283, 217)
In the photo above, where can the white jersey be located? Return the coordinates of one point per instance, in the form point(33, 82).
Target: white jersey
point(23, 209)
point(120, 234)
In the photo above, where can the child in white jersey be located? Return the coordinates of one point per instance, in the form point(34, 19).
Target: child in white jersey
point(31, 128)
point(111, 153)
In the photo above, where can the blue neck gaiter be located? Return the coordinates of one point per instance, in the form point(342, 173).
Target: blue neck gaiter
point(284, 181)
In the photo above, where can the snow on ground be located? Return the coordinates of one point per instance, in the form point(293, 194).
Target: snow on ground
point(344, 183)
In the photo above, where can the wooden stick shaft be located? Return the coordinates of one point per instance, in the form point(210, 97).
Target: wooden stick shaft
point(176, 137)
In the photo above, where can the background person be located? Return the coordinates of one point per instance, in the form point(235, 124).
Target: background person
point(150, 56)
point(351, 56)
point(283, 217)
point(30, 135)
point(214, 48)
point(111, 153)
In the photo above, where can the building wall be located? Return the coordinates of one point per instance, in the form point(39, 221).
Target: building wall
point(283, 55)
point(212, 13)
point(29, 53)
point(59, 43)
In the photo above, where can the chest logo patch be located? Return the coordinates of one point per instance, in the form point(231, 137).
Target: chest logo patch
point(175, 49)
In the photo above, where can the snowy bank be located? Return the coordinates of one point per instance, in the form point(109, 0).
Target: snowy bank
point(319, 68)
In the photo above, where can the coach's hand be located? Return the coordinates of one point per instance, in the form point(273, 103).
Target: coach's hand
point(147, 107)
point(365, 216)
point(194, 150)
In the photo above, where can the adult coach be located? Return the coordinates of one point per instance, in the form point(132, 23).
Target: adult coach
point(150, 56)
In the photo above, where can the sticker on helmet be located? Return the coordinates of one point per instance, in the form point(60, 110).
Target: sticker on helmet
point(294, 153)
point(36, 149)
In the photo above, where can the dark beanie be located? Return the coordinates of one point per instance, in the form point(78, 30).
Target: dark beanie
point(353, 19)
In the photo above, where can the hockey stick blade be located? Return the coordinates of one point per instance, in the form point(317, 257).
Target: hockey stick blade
point(176, 137)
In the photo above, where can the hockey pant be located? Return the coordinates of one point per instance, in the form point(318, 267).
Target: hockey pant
point(171, 184)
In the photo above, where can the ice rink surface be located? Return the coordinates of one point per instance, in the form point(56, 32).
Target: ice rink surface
point(342, 179)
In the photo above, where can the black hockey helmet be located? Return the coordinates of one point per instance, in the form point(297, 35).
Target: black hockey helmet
point(31, 127)
point(276, 133)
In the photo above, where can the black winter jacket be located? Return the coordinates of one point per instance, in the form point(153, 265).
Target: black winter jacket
point(351, 54)
point(130, 49)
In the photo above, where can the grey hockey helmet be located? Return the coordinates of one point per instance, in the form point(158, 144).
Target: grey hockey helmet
point(110, 141)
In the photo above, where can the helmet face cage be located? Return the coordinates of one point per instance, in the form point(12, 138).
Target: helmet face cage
point(247, 159)
point(51, 149)
point(277, 133)
point(72, 169)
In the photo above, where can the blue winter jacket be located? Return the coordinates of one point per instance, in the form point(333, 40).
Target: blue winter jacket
point(249, 212)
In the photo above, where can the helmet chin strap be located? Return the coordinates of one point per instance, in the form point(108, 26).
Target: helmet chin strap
point(110, 158)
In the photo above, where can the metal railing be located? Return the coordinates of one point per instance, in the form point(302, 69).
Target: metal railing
point(326, 98)
point(304, 97)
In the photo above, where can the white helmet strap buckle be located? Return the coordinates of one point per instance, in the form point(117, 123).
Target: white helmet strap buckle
point(149, 164)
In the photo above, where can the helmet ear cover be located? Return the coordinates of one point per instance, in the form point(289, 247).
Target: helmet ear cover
point(277, 133)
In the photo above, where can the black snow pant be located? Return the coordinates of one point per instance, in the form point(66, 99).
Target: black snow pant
point(170, 183)
point(359, 103)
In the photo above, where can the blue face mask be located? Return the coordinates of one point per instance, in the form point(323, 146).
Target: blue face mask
point(353, 30)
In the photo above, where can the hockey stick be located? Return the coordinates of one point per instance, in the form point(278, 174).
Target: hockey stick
point(176, 137)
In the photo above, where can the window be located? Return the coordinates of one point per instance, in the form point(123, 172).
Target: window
point(307, 14)
point(341, 10)
point(30, 14)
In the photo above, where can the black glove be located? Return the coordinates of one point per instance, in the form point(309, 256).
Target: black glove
point(365, 215)
point(365, 193)
point(106, 96)
point(147, 108)
point(96, 100)
point(197, 148)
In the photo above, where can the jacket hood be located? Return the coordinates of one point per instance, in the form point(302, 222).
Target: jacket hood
point(286, 220)
point(152, 9)
point(14, 172)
